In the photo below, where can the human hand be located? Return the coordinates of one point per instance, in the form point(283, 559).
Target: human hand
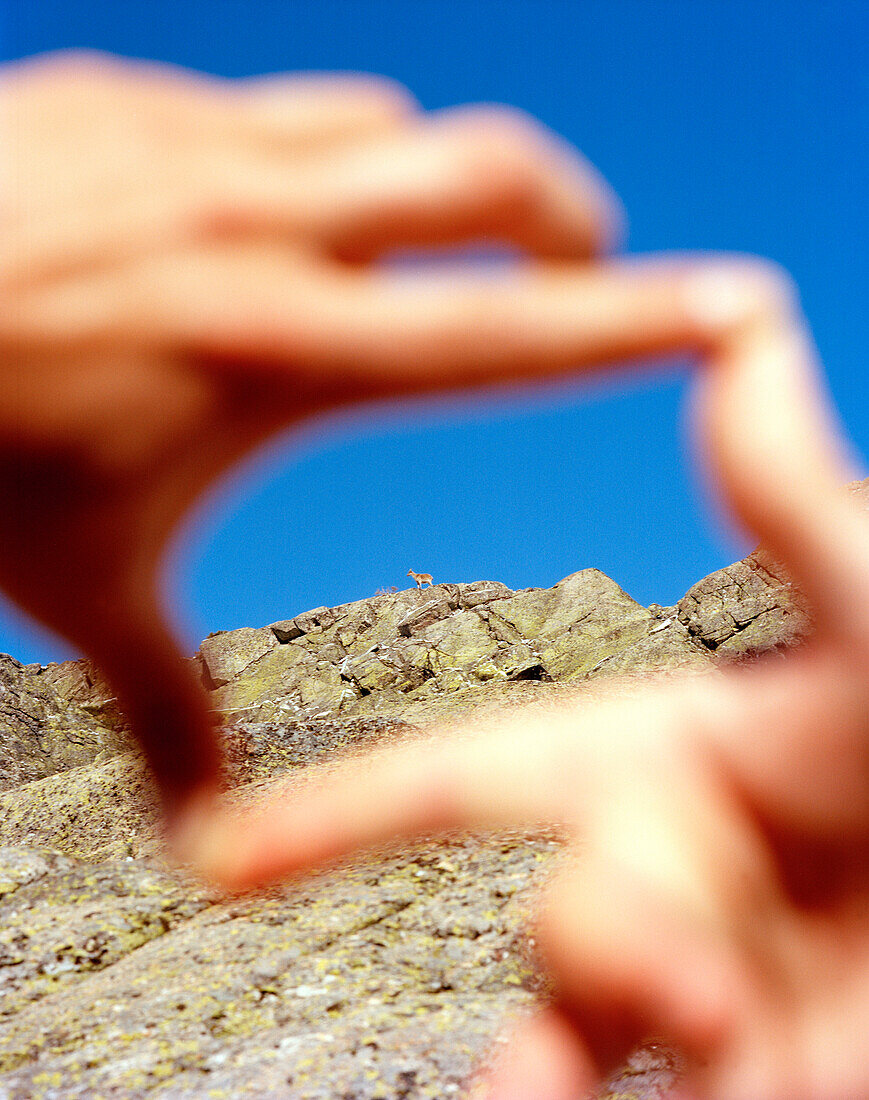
point(716, 890)
point(186, 269)
point(185, 272)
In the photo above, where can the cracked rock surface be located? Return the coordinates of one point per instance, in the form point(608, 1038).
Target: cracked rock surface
point(394, 653)
point(746, 609)
point(362, 981)
point(387, 977)
point(751, 607)
point(44, 730)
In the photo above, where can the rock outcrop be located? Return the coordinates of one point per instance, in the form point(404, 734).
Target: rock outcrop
point(751, 607)
point(52, 718)
point(396, 653)
point(387, 977)
point(745, 609)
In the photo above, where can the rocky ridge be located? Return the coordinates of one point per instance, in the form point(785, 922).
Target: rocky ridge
point(387, 977)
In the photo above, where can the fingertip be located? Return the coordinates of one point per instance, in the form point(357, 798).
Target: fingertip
point(243, 848)
point(204, 837)
point(544, 1058)
point(726, 292)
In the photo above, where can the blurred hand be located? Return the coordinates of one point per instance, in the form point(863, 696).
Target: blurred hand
point(185, 270)
point(188, 267)
point(717, 887)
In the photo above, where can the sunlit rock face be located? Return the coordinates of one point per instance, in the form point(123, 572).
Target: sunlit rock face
point(751, 607)
point(388, 977)
point(394, 652)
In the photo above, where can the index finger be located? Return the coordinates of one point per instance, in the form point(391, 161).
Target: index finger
point(763, 418)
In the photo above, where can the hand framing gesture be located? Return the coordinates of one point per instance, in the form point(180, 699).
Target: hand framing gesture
point(188, 267)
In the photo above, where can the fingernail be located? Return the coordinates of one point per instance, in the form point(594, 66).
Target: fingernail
point(718, 299)
point(720, 296)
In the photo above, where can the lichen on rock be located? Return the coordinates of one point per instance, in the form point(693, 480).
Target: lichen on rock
point(386, 977)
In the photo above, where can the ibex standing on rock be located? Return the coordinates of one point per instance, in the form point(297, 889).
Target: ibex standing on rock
point(420, 578)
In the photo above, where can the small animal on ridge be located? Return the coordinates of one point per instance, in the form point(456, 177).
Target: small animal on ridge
point(420, 578)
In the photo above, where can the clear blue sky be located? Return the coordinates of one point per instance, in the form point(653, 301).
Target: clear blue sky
point(723, 124)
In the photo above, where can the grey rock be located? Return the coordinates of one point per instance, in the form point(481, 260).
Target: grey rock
point(437, 606)
point(482, 592)
point(387, 977)
point(334, 986)
point(42, 731)
point(79, 682)
point(227, 653)
point(586, 625)
point(67, 919)
point(318, 619)
point(286, 631)
point(398, 650)
point(101, 811)
point(746, 609)
point(753, 606)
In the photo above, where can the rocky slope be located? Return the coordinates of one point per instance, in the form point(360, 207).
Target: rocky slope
point(387, 977)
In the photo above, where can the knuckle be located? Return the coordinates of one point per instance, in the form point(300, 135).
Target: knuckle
point(212, 202)
point(774, 284)
point(73, 65)
point(214, 214)
point(225, 209)
point(386, 97)
point(506, 124)
point(506, 133)
point(504, 151)
point(85, 72)
point(729, 291)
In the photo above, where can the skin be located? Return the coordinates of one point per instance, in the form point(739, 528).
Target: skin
point(187, 269)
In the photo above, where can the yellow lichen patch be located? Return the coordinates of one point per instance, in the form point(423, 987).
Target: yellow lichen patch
point(53, 1080)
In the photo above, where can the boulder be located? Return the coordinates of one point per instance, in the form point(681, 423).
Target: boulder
point(586, 624)
point(753, 606)
point(80, 682)
point(228, 652)
point(746, 609)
